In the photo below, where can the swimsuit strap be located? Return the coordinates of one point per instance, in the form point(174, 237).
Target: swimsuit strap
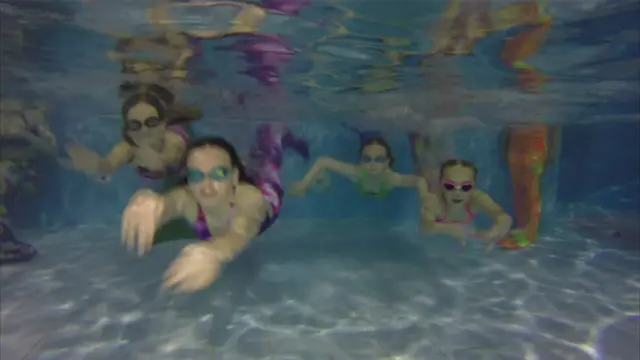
point(472, 215)
point(201, 226)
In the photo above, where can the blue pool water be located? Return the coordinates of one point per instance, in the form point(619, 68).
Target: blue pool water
point(329, 290)
point(340, 276)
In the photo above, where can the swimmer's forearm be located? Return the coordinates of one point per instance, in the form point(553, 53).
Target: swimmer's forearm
point(423, 189)
point(234, 242)
point(109, 166)
point(319, 166)
point(171, 208)
point(118, 157)
point(105, 167)
point(501, 224)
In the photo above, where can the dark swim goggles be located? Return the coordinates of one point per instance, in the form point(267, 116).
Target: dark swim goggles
point(377, 159)
point(218, 174)
point(135, 125)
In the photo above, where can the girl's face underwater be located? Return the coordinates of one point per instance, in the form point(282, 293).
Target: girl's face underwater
point(457, 182)
point(212, 177)
point(374, 159)
point(143, 124)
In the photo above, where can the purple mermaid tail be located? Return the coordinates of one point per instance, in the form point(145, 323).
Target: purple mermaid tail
point(271, 141)
point(265, 161)
point(265, 56)
point(287, 7)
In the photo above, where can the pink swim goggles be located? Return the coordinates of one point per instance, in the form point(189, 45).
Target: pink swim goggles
point(464, 186)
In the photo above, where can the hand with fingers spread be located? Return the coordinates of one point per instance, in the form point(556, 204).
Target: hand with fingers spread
point(197, 267)
point(141, 219)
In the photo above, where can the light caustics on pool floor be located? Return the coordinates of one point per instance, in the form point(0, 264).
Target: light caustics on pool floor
point(353, 297)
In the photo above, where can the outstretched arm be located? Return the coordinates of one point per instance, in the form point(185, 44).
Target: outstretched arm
point(120, 155)
point(419, 182)
point(327, 163)
point(253, 209)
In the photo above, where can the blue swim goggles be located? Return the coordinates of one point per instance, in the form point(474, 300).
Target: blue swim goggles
point(217, 174)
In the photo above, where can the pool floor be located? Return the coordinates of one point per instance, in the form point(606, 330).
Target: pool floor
point(326, 290)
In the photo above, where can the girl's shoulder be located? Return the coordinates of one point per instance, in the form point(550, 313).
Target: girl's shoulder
point(248, 190)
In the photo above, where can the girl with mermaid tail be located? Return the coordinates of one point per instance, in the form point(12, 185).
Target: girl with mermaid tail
point(373, 174)
point(529, 149)
point(227, 204)
point(153, 139)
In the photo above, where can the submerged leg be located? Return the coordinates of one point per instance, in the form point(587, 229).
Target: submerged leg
point(527, 155)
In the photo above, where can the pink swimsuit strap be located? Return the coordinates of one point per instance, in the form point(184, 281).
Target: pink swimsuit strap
point(179, 130)
point(470, 218)
point(201, 227)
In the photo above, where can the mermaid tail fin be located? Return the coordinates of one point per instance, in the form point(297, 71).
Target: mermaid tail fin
point(299, 145)
point(271, 141)
point(517, 240)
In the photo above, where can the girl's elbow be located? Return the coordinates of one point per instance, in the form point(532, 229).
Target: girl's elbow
point(323, 161)
point(505, 219)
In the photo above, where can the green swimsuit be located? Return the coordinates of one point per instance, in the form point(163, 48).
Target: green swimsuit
point(361, 183)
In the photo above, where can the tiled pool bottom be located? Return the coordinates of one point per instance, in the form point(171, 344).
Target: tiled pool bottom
point(319, 290)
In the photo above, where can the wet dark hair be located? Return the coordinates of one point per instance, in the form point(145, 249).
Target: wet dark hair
point(162, 100)
point(458, 162)
point(155, 95)
point(382, 142)
point(220, 143)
